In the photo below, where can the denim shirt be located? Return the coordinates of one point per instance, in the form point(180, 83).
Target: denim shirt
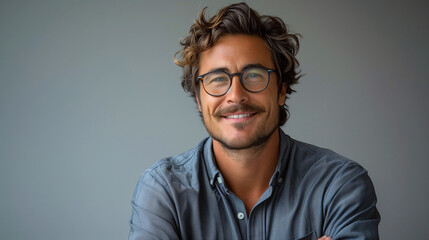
point(313, 192)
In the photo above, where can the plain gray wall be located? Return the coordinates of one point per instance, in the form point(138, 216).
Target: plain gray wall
point(90, 97)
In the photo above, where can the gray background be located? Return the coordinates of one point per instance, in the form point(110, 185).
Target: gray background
point(90, 97)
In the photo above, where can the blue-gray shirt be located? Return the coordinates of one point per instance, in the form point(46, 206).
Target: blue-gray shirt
point(313, 192)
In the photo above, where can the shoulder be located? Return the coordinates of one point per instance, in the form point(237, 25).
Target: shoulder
point(341, 188)
point(161, 190)
point(182, 167)
point(343, 184)
point(306, 159)
point(325, 172)
point(322, 172)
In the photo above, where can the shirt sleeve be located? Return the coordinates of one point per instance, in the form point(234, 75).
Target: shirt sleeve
point(350, 206)
point(152, 210)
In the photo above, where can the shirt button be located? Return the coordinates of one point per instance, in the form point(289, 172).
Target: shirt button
point(280, 180)
point(240, 215)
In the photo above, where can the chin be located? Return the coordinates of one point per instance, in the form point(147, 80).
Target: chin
point(244, 141)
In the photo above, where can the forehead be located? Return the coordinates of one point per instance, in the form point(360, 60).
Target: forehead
point(233, 52)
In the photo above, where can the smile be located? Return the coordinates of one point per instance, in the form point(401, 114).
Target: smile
point(238, 116)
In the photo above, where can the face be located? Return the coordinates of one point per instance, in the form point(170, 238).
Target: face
point(240, 119)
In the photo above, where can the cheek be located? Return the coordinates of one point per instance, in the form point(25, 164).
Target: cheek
point(208, 104)
point(274, 96)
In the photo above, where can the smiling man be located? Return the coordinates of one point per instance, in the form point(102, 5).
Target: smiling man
point(249, 180)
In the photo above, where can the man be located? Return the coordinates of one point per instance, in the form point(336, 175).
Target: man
point(249, 180)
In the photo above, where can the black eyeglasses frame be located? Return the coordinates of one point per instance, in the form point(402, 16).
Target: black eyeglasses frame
point(231, 75)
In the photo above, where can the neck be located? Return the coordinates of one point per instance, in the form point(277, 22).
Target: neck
point(247, 172)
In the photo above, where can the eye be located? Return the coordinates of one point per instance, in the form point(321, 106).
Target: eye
point(253, 75)
point(218, 79)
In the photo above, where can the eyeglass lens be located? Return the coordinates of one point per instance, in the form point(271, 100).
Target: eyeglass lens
point(252, 79)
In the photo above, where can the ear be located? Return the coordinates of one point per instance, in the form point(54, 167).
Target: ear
point(282, 94)
point(197, 99)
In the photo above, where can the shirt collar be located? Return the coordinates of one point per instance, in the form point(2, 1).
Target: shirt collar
point(280, 172)
point(212, 170)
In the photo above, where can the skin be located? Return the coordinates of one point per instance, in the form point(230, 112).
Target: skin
point(234, 53)
point(325, 238)
point(246, 149)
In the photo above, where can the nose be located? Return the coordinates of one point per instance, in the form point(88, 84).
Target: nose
point(237, 93)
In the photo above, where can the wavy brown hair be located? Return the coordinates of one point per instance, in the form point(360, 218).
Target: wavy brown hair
point(240, 19)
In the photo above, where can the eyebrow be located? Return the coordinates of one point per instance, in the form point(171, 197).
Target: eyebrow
point(224, 69)
point(251, 65)
point(218, 70)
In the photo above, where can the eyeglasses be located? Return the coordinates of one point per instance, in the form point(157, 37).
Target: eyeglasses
point(218, 82)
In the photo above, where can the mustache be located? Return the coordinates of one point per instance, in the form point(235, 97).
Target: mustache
point(237, 108)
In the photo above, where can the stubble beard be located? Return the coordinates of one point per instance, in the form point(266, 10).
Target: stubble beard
point(256, 142)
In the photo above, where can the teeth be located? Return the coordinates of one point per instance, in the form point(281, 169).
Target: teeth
point(239, 115)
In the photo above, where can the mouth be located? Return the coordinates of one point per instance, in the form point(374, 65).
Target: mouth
point(238, 112)
point(238, 116)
